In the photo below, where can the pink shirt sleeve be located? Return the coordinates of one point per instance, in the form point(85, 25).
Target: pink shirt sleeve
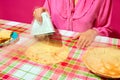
point(103, 21)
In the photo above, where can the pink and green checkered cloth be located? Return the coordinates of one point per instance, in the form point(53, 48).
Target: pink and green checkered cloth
point(15, 66)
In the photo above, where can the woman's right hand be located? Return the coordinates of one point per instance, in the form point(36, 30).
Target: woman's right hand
point(37, 13)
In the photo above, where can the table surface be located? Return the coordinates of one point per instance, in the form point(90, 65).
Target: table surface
point(15, 66)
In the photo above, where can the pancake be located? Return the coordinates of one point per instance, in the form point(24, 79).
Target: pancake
point(5, 35)
point(47, 52)
point(104, 61)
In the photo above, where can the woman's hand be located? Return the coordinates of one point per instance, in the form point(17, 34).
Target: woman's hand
point(85, 38)
point(37, 13)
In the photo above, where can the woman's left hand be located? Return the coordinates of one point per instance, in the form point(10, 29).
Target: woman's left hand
point(85, 38)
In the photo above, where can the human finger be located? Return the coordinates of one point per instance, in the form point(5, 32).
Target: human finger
point(80, 42)
point(37, 13)
point(88, 43)
point(84, 44)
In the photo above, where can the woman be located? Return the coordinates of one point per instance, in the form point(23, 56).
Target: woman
point(88, 17)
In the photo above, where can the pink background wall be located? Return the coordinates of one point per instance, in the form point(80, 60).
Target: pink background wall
point(115, 23)
point(21, 10)
point(18, 10)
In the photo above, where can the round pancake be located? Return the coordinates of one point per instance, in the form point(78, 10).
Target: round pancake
point(47, 53)
point(104, 61)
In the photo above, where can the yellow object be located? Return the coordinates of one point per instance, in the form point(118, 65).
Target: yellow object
point(104, 61)
point(47, 52)
point(5, 35)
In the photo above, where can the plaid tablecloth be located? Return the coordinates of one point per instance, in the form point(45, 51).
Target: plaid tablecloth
point(15, 66)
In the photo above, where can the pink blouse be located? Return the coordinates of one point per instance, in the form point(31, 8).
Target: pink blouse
point(86, 14)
